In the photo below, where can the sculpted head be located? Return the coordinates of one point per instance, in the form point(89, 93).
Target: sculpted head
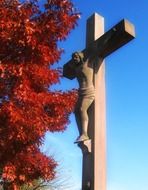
point(78, 58)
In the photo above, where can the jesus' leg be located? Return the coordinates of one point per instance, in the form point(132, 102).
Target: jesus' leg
point(82, 118)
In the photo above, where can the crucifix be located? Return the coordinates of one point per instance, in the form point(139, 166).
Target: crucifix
point(89, 68)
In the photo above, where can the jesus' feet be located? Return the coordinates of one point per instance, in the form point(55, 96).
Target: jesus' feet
point(82, 138)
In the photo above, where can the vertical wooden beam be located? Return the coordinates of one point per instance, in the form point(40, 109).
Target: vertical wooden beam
point(95, 28)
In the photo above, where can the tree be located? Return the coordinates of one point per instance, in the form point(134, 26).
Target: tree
point(28, 108)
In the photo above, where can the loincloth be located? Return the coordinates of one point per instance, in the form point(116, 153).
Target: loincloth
point(88, 93)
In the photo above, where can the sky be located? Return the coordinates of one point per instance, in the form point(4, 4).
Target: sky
point(126, 100)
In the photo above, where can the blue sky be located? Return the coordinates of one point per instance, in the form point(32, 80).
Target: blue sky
point(127, 100)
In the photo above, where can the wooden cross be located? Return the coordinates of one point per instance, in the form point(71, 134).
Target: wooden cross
point(94, 150)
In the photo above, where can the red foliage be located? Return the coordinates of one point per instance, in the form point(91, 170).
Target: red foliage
point(28, 108)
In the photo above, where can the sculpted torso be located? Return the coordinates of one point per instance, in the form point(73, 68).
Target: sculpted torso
point(84, 74)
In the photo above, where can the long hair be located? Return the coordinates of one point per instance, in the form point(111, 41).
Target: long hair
point(81, 56)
